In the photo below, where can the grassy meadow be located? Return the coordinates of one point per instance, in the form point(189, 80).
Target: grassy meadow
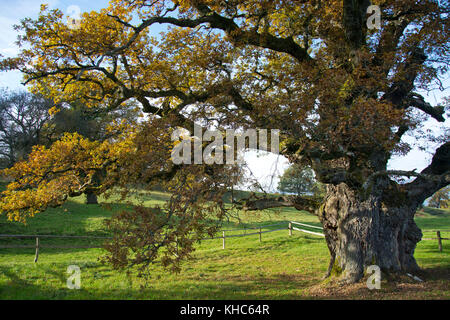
point(279, 267)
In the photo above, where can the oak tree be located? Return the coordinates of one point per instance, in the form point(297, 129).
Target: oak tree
point(74, 117)
point(297, 180)
point(342, 93)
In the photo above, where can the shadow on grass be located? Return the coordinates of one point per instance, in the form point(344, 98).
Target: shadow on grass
point(227, 287)
point(436, 211)
point(436, 273)
point(214, 286)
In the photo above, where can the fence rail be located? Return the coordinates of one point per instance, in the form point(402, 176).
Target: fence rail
point(306, 225)
point(439, 239)
point(291, 227)
point(310, 232)
point(224, 236)
point(50, 236)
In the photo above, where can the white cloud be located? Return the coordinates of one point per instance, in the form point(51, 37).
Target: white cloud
point(9, 52)
point(11, 13)
point(266, 168)
point(23, 8)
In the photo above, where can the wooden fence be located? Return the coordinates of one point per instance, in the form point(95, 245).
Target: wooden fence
point(439, 239)
point(38, 244)
point(292, 226)
point(303, 230)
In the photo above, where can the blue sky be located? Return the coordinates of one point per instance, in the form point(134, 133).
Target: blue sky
point(262, 167)
point(12, 11)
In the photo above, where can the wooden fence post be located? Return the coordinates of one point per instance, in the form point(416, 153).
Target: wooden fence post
point(260, 235)
point(290, 228)
point(37, 250)
point(439, 240)
point(223, 240)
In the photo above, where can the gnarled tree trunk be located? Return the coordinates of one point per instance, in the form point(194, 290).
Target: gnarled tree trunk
point(363, 230)
point(368, 219)
point(91, 198)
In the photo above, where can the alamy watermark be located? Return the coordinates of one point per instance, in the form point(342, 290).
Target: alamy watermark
point(74, 279)
point(189, 149)
point(374, 281)
point(74, 18)
point(374, 20)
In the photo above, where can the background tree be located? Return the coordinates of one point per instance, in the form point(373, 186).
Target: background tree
point(29, 119)
point(342, 95)
point(441, 199)
point(22, 118)
point(92, 124)
point(77, 118)
point(298, 180)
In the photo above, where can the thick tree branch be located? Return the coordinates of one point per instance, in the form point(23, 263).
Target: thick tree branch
point(216, 21)
point(388, 43)
point(417, 101)
point(310, 204)
point(408, 174)
point(423, 187)
point(354, 21)
point(400, 89)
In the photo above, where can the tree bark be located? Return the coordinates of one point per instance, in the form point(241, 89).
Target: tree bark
point(363, 230)
point(91, 198)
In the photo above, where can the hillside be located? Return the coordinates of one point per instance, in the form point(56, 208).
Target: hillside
point(280, 267)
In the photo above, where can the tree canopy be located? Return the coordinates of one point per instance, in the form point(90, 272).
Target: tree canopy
point(298, 180)
point(342, 95)
point(441, 199)
point(23, 117)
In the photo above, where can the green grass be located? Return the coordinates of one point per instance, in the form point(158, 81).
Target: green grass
point(280, 267)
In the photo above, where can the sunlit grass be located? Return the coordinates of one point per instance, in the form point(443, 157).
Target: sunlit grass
point(279, 267)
